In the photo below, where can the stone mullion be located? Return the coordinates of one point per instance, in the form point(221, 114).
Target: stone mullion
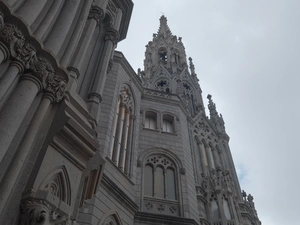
point(165, 183)
point(154, 180)
point(113, 133)
point(124, 141)
point(8, 78)
point(221, 208)
point(130, 155)
point(233, 211)
point(127, 163)
point(12, 114)
point(116, 150)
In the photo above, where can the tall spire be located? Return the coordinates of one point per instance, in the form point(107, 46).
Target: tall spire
point(163, 27)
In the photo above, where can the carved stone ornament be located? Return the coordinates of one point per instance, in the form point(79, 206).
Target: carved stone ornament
point(149, 205)
point(182, 171)
point(97, 13)
point(42, 68)
point(14, 40)
point(38, 212)
point(161, 207)
point(112, 35)
point(173, 209)
point(126, 97)
point(55, 86)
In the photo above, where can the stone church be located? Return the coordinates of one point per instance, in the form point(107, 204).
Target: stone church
point(84, 139)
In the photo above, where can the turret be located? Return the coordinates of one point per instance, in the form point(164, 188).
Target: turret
point(166, 69)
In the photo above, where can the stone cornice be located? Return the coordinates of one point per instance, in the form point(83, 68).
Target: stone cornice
point(163, 219)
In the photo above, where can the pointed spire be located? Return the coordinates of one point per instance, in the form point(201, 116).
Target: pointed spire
point(163, 27)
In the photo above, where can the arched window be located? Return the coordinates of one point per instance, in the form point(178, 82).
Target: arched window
point(122, 132)
point(162, 54)
point(168, 123)
point(226, 208)
point(214, 208)
point(159, 182)
point(151, 120)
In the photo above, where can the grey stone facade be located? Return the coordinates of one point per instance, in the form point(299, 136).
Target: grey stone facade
point(84, 139)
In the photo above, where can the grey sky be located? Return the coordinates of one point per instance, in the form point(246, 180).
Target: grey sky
point(246, 54)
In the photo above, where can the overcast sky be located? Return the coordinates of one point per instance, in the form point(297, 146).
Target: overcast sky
point(246, 54)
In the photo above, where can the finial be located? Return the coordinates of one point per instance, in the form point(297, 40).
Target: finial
point(211, 105)
point(192, 66)
point(164, 28)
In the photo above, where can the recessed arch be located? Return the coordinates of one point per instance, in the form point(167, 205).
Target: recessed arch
point(111, 217)
point(57, 182)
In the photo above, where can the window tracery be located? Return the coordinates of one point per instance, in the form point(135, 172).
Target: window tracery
point(122, 130)
point(160, 182)
point(162, 85)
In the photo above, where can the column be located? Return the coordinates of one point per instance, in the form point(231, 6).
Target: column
point(124, 141)
point(95, 18)
point(8, 78)
point(95, 95)
point(221, 208)
point(4, 53)
point(117, 144)
point(20, 158)
point(13, 113)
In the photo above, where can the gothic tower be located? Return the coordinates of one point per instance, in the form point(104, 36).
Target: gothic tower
point(84, 139)
point(202, 140)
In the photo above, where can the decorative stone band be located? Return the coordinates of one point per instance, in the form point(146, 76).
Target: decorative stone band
point(160, 94)
point(97, 13)
point(112, 35)
point(13, 44)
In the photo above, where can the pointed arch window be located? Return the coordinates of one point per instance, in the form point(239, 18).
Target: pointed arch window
point(214, 208)
point(162, 54)
point(226, 208)
point(121, 139)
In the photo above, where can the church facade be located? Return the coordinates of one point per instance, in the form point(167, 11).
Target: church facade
point(84, 139)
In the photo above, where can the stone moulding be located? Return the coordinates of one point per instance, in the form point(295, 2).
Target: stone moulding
point(119, 194)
